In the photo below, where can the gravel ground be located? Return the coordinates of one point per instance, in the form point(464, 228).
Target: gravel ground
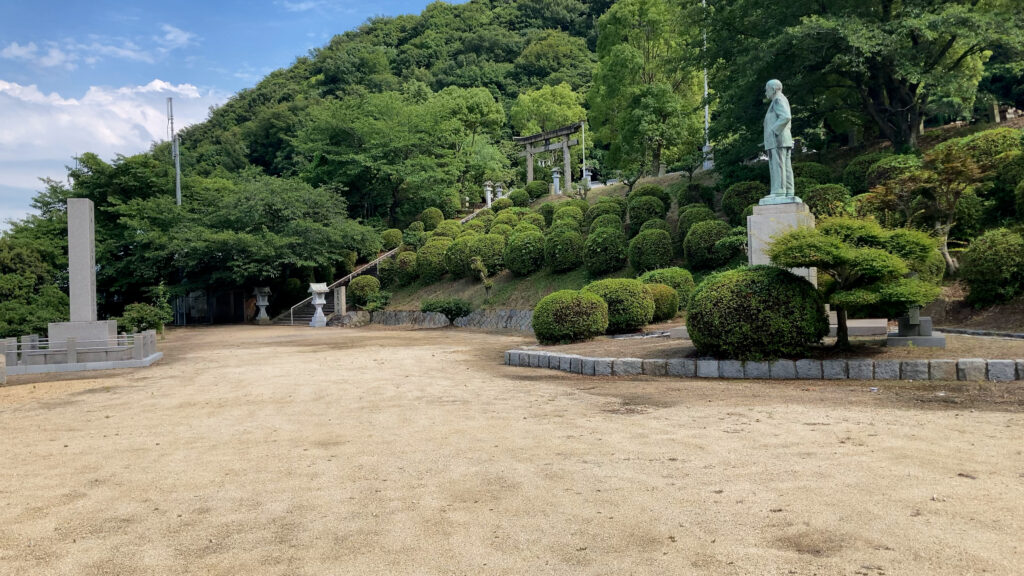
point(285, 450)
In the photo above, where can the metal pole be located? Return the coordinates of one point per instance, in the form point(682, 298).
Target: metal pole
point(583, 139)
point(177, 170)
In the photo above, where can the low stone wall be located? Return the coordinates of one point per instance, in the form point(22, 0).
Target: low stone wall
point(29, 357)
point(409, 317)
point(350, 319)
point(966, 369)
point(3, 370)
point(517, 320)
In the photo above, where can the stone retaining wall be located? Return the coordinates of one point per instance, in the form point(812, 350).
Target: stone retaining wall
point(518, 320)
point(409, 317)
point(967, 369)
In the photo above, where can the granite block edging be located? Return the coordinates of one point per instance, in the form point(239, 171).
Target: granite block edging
point(964, 369)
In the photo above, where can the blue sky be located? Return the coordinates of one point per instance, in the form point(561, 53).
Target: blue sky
point(94, 76)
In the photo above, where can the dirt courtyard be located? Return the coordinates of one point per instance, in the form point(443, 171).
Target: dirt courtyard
point(292, 451)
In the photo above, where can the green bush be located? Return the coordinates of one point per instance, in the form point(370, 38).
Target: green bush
point(814, 171)
point(740, 195)
point(630, 306)
point(993, 267)
point(829, 200)
point(475, 226)
point(1020, 201)
point(519, 198)
point(490, 248)
point(391, 238)
point(363, 289)
point(729, 251)
point(414, 235)
point(755, 313)
point(891, 167)
point(501, 230)
point(139, 317)
point(431, 217)
point(525, 227)
point(642, 209)
point(1009, 173)
point(501, 204)
point(580, 203)
point(651, 190)
point(569, 316)
point(452, 308)
point(602, 209)
point(547, 210)
point(536, 189)
point(656, 224)
point(650, 250)
point(605, 250)
point(692, 193)
point(406, 264)
point(619, 201)
point(507, 218)
point(666, 301)
point(534, 218)
point(678, 278)
point(692, 215)
point(568, 213)
point(985, 147)
point(563, 250)
point(855, 175)
point(387, 272)
point(566, 225)
point(430, 259)
point(802, 186)
point(699, 244)
point(458, 255)
point(524, 252)
point(449, 228)
point(732, 173)
point(606, 221)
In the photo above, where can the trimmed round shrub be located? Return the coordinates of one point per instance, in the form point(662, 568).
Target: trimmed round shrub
point(449, 228)
point(430, 259)
point(563, 250)
point(431, 217)
point(606, 221)
point(387, 272)
point(740, 195)
point(619, 201)
point(644, 208)
point(690, 216)
point(501, 204)
point(656, 224)
point(855, 175)
point(687, 193)
point(814, 171)
point(630, 306)
point(891, 166)
point(363, 288)
point(985, 147)
point(601, 209)
point(519, 198)
point(580, 203)
point(458, 255)
point(507, 218)
point(666, 301)
point(391, 238)
point(605, 250)
point(699, 245)
point(729, 250)
point(650, 250)
point(993, 267)
point(406, 264)
point(534, 218)
point(490, 248)
point(569, 316)
point(568, 213)
point(536, 189)
point(524, 252)
point(414, 235)
point(679, 279)
point(755, 313)
point(1020, 201)
point(525, 227)
point(500, 230)
point(803, 185)
point(547, 210)
point(651, 190)
point(567, 225)
point(734, 172)
point(452, 308)
point(828, 200)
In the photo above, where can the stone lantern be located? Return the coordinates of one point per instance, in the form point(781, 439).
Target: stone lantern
point(556, 175)
point(488, 187)
point(499, 189)
point(318, 290)
point(262, 294)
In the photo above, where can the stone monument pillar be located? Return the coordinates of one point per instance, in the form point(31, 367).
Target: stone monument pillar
point(769, 221)
point(83, 327)
point(567, 161)
point(318, 290)
point(556, 177)
point(262, 294)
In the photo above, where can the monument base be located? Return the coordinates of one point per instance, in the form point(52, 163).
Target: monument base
point(100, 332)
point(772, 220)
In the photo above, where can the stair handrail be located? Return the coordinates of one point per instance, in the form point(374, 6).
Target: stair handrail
point(361, 269)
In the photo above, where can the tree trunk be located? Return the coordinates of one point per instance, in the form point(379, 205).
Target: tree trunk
point(842, 330)
point(656, 159)
point(942, 231)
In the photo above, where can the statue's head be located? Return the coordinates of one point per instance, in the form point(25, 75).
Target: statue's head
point(772, 88)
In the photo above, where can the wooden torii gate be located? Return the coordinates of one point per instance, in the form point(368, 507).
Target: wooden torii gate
point(545, 138)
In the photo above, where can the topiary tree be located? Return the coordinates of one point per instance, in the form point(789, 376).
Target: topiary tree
point(755, 313)
point(630, 306)
point(569, 316)
point(993, 267)
point(449, 228)
point(729, 251)
point(861, 260)
point(525, 227)
point(606, 221)
point(666, 301)
point(391, 238)
point(605, 249)
point(458, 255)
point(490, 249)
point(566, 225)
point(690, 216)
point(406, 268)
point(524, 252)
point(855, 175)
point(535, 219)
point(518, 198)
point(452, 308)
point(619, 201)
point(651, 249)
point(547, 210)
point(414, 235)
point(891, 167)
point(563, 250)
point(699, 244)
point(601, 209)
point(813, 170)
point(651, 190)
point(501, 204)
point(501, 230)
point(679, 279)
point(363, 289)
point(829, 200)
point(507, 218)
point(984, 148)
point(536, 189)
point(740, 195)
point(430, 259)
point(431, 217)
point(642, 209)
point(656, 224)
point(570, 213)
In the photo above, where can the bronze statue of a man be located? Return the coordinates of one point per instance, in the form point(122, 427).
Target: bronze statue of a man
point(778, 143)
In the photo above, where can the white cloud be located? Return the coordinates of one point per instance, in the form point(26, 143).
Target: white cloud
point(40, 133)
point(304, 6)
point(174, 38)
point(15, 51)
point(69, 52)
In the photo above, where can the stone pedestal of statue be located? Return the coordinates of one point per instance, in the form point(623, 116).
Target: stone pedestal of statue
point(773, 217)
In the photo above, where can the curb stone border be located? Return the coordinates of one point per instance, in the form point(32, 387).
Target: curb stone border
point(964, 369)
